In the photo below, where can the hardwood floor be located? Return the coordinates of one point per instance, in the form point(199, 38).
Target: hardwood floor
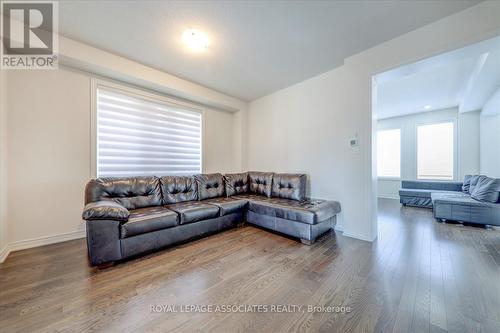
point(419, 276)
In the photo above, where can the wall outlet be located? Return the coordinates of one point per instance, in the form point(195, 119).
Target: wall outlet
point(354, 142)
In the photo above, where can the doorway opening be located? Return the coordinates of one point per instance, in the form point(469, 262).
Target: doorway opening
point(436, 123)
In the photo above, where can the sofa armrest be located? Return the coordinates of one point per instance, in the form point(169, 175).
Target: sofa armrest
point(105, 210)
point(325, 209)
point(103, 241)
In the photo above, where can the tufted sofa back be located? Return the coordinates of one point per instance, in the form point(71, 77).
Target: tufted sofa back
point(209, 185)
point(260, 183)
point(289, 186)
point(130, 192)
point(236, 183)
point(178, 189)
point(140, 192)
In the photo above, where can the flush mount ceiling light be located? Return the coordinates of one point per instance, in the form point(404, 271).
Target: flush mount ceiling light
point(427, 107)
point(195, 40)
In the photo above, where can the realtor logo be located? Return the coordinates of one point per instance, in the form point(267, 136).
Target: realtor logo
point(29, 35)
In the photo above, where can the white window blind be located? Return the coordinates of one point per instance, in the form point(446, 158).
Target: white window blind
point(435, 151)
point(389, 153)
point(144, 136)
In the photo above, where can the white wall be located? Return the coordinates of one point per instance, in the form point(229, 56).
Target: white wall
point(239, 138)
point(49, 152)
point(490, 145)
point(306, 127)
point(466, 150)
point(220, 152)
point(468, 144)
point(49, 157)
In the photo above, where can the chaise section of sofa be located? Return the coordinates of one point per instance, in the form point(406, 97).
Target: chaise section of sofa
point(306, 219)
point(475, 200)
point(130, 216)
point(286, 209)
point(479, 203)
point(462, 207)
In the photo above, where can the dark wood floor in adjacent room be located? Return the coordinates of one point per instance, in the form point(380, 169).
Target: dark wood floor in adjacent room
point(419, 276)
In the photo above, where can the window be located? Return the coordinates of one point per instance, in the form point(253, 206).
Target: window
point(138, 135)
point(389, 153)
point(435, 151)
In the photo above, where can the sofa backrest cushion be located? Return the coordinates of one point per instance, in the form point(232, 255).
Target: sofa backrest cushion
point(236, 183)
point(209, 185)
point(178, 189)
point(466, 184)
point(487, 189)
point(473, 182)
point(437, 185)
point(130, 192)
point(289, 186)
point(260, 182)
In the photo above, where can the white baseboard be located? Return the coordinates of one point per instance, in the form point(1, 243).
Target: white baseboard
point(339, 222)
point(4, 253)
point(387, 197)
point(338, 228)
point(357, 236)
point(35, 242)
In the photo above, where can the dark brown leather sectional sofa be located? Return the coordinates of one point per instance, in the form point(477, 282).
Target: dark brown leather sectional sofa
point(130, 216)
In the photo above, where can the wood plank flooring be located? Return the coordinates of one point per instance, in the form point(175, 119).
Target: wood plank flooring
point(419, 276)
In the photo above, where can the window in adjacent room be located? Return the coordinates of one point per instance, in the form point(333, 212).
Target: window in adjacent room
point(139, 135)
point(389, 153)
point(435, 151)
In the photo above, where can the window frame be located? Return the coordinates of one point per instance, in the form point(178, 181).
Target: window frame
point(455, 148)
point(123, 88)
point(400, 152)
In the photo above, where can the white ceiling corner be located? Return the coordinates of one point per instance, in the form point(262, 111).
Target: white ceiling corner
point(466, 78)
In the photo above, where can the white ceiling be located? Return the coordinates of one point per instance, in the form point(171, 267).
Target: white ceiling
point(465, 78)
point(256, 47)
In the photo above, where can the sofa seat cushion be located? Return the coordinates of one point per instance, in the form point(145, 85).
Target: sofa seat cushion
point(144, 220)
point(227, 205)
point(457, 198)
point(193, 211)
point(465, 208)
point(407, 192)
point(309, 211)
point(250, 196)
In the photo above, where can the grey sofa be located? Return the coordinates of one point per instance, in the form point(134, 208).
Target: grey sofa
point(127, 217)
point(476, 200)
point(418, 193)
